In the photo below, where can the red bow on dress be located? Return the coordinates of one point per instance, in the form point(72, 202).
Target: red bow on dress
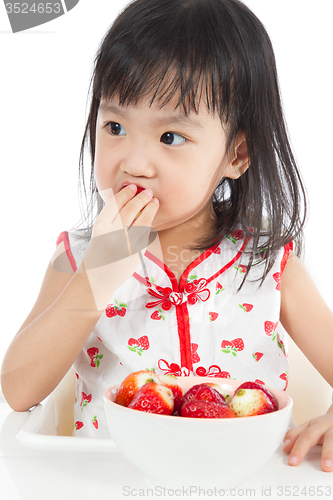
point(192, 292)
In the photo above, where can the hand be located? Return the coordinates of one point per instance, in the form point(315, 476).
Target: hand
point(316, 431)
point(120, 231)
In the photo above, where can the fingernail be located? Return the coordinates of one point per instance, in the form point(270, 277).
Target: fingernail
point(293, 460)
point(148, 192)
point(328, 463)
point(132, 186)
point(285, 443)
point(155, 200)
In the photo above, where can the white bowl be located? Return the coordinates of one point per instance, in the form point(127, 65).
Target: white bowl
point(177, 452)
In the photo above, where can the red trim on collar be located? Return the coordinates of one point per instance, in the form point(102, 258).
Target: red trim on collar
point(229, 263)
point(65, 238)
point(160, 264)
point(195, 263)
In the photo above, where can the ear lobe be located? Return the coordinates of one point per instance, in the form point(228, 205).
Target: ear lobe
point(239, 163)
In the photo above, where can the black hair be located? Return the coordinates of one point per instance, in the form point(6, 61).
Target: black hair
point(216, 51)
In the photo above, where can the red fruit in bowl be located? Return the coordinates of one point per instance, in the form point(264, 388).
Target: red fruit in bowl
point(153, 398)
point(171, 381)
point(220, 389)
point(256, 385)
point(206, 409)
point(202, 392)
point(130, 386)
point(252, 399)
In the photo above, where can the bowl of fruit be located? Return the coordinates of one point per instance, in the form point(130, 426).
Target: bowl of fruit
point(196, 431)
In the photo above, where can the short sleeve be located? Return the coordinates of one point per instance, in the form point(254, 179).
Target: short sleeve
point(74, 248)
point(287, 249)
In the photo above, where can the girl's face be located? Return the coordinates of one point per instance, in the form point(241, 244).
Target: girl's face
point(181, 159)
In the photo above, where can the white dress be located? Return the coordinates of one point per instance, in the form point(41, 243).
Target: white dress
point(201, 327)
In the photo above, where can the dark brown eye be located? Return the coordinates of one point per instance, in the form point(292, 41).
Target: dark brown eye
point(116, 128)
point(172, 139)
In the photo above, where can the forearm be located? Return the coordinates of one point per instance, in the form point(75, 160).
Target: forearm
point(42, 353)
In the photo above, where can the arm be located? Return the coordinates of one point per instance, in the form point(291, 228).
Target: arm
point(49, 340)
point(309, 322)
point(69, 306)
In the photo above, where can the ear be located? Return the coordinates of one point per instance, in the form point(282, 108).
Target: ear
point(239, 160)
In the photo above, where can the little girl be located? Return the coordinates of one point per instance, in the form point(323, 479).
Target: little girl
point(191, 266)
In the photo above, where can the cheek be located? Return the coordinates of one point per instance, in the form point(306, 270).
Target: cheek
point(103, 170)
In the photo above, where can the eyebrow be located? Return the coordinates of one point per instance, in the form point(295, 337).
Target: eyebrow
point(172, 118)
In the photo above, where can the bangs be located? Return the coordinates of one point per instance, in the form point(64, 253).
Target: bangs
point(167, 56)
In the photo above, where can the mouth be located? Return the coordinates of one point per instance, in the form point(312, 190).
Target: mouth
point(139, 188)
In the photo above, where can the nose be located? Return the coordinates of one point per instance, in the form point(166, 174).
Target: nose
point(138, 160)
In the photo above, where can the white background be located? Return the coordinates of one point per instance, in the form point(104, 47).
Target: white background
point(45, 74)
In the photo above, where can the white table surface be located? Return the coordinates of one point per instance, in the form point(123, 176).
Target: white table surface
point(27, 474)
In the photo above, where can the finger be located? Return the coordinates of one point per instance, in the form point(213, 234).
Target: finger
point(327, 452)
point(147, 214)
point(305, 441)
point(292, 435)
point(113, 205)
point(129, 212)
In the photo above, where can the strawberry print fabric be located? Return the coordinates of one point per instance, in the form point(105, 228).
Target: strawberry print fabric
point(200, 327)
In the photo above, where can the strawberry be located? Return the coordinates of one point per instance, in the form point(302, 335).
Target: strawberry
point(85, 400)
point(157, 315)
point(132, 383)
point(138, 345)
point(144, 342)
point(232, 346)
point(251, 399)
point(246, 307)
point(110, 311)
point(284, 376)
point(220, 389)
point(119, 309)
point(206, 409)
point(236, 235)
point(171, 382)
point(242, 269)
point(202, 392)
point(78, 425)
point(219, 288)
point(277, 278)
point(95, 359)
point(257, 355)
point(270, 328)
point(95, 422)
point(206, 392)
point(153, 398)
point(213, 316)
